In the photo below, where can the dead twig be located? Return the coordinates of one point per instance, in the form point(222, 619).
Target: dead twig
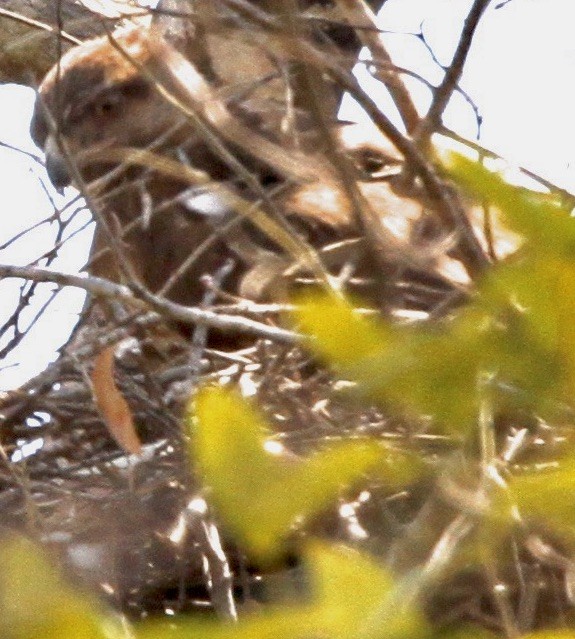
point(37, 24)
point(445, 90)
point(359, 14)
point(187, 314)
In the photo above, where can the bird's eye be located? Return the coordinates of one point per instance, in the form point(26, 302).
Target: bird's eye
point(108, 105)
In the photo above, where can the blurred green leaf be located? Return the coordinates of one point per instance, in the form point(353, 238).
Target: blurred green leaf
point(534, 344)
point(428, 370)
point(466, 632)
point(259, 494)
point(35, 603)
point(531, 295)
point(518, 331)
point(557, 633)
point(540, 217)
point(347, 338)
point(351, 597)
point(547, 495)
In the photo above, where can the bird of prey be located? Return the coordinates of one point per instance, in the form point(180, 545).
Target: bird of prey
point(203, 149)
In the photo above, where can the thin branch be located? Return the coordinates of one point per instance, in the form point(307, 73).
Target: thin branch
point(567, 196)
point(447, 204)
point(91, 202)
point(366, 218)
point(195, 98)
point(37, 24)
point(188, 314)
point(273, 36)
point(359, 13)
point(452, 75)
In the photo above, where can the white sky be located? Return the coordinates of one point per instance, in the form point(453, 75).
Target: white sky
point(520, 74)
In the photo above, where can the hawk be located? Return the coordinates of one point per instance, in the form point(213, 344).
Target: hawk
point(133, 90)
point(165, 151)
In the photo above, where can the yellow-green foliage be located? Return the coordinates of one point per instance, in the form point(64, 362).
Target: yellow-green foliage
point(351, 596)
point(518, 332)
point(513, 345)
point(261, 495)
point(35, 603)
point(539, 286)
point(426, 370)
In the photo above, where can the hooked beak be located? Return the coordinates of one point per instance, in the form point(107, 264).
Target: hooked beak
point(56, 165)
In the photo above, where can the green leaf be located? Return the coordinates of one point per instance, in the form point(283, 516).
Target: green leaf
point(357, 598)
point(518, 331)
point(35, 602)
point(534, 346)
point(351, 597)
point(466, 632)
point(342, 335)
point(531, 296)
point(547, 496)
point(261, 495)
point(557, 633)
point(424, 370)
point(541, 218)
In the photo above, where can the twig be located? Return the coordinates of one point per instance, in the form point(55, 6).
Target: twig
point(452, 75)
point(447, 205)
point(12, 15)
point(91, 203)
point(366, 218)
point(200, 335)
point(195, 98)
point(31, 156)
point(359, 13)
point(187, 314)
point(567, 196)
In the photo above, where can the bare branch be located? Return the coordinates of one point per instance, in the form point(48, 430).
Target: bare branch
point(362, 17)
point(445, 90)
point(447, 205)
point(187, 314)
point(37, 24)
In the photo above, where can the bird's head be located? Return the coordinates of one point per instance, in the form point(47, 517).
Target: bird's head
point(97, 97)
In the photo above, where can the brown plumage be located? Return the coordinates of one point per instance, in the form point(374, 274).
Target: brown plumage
point(98, 99)
point(136, 91)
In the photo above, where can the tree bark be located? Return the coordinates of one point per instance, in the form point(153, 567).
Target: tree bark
point(30, 40)
point(34, 33)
